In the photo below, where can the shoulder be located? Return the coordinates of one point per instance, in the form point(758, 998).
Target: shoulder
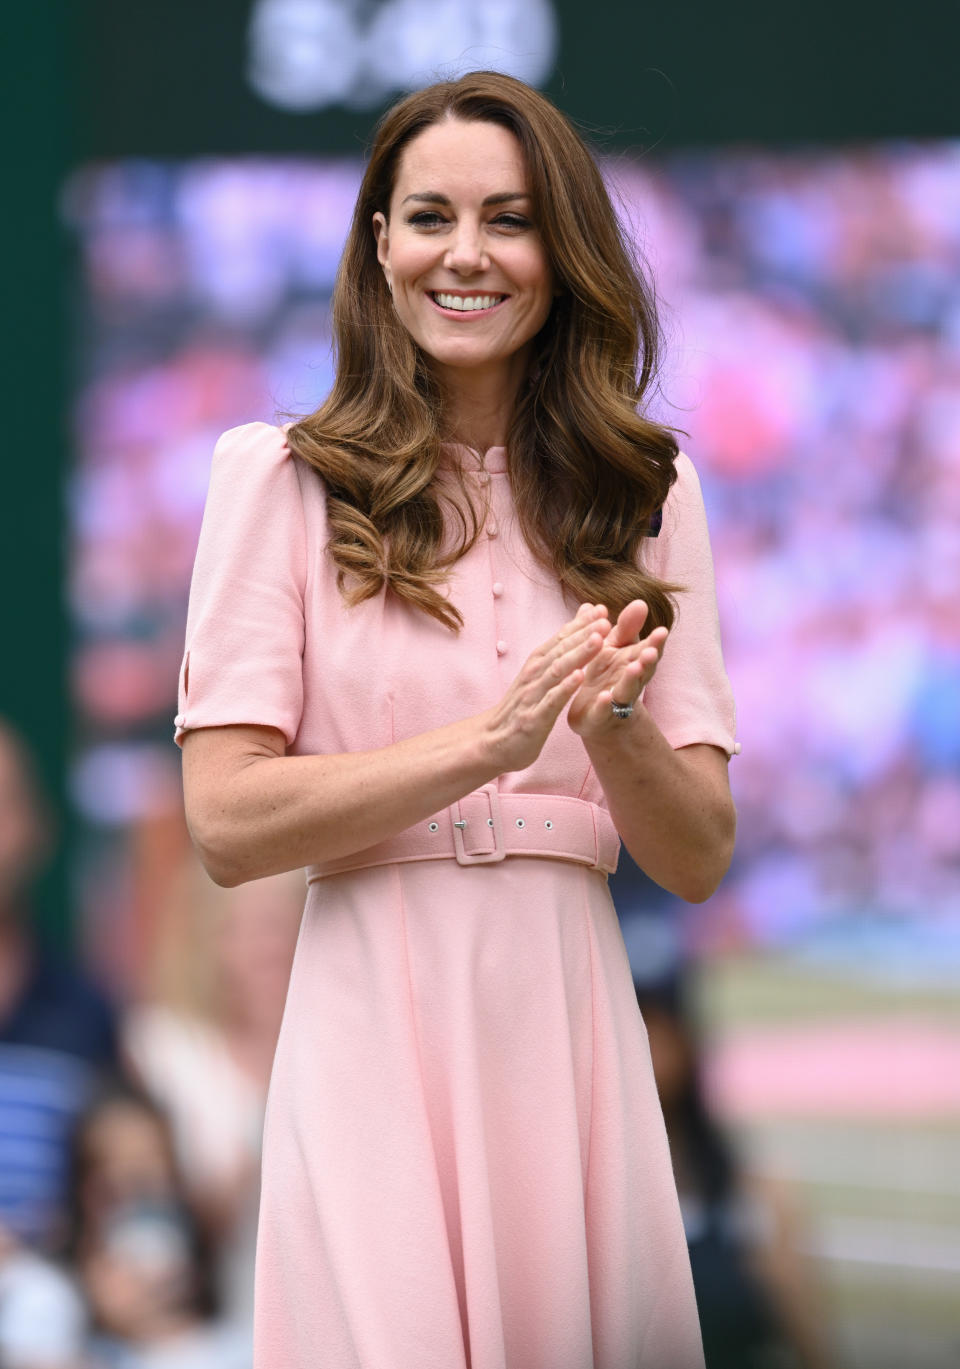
point(253, 469)
point(257, 456)
point(150, 1023)
point(687, 484)
point(160, 1040)
point(683, 509)
point(252, 443)
point(64, 1010)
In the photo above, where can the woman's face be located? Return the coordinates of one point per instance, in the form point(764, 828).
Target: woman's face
point(126, 1156)
point(463, 256)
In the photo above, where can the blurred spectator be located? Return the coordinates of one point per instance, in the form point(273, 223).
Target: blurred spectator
point(144, 1263)
point(203, 1047)
point(56, 1030)
point(758, 1307)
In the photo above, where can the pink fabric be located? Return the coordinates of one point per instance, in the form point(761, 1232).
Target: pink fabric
point(465, 1162)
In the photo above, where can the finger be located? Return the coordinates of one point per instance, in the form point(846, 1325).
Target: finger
point(636, 673)
point(656, 638)
point(577, 654)
point(630, 622)
point(649, 660)
point(586, 615)
point(627, 687)
point(615, 658)
point(557, 698)
point(564, 642)
point(649, 649)
point(636, 676)
point(542, 657)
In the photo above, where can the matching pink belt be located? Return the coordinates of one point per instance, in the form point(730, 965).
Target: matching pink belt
point(487, 826)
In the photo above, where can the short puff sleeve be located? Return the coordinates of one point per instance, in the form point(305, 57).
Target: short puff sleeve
point(243, 653)
point(689, 697)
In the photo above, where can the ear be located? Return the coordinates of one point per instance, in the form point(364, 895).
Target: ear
point(381, 234)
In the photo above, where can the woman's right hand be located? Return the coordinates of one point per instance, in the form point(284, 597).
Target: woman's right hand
point(517, 727)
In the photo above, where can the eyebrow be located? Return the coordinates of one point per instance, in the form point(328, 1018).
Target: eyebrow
point(434, 197)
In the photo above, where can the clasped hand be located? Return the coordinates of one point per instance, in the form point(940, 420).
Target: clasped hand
point(623, 665)
point(587, 663)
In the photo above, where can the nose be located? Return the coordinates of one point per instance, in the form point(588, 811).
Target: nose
point(466, 253)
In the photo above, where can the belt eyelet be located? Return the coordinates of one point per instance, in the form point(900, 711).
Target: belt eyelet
point(434, 826)
point(548, 823)
point(489, 822)
point(520, 822)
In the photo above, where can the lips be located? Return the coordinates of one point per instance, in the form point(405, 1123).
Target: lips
point(477, 302)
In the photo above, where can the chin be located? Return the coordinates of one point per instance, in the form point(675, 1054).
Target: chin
point(466, 361)
point(463, 358)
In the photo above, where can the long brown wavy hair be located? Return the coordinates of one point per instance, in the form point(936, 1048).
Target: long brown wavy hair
point(587, 469)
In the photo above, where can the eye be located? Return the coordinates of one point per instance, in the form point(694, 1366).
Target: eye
point(512, 221)
point(426, 218)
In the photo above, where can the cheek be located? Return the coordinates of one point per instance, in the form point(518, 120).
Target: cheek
point(536, 277)
point(409, 260)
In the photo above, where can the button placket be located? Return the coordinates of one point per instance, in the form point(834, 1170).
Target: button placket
point(496, 586)
point(496, 589)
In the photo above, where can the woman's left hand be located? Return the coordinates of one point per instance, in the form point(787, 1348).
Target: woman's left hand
point(621, 669)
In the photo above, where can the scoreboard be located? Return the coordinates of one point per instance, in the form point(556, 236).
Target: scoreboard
point(174, 78)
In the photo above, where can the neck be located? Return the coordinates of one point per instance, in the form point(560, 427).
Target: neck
point(479, 402)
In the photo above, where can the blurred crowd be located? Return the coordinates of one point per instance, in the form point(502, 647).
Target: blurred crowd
point(130, 1128)
point(811, 304)
point(130, 1135)
point(814, 356)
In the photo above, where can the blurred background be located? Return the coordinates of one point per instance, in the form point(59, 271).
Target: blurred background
point(184, 180)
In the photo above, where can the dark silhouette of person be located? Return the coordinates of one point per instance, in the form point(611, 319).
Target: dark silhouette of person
point(57, 1030)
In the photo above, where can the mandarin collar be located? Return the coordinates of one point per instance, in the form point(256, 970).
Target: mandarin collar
point(494, 459)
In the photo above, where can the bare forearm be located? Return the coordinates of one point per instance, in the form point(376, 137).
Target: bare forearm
point(254, 811)
point(274, 813)
point(677, 822)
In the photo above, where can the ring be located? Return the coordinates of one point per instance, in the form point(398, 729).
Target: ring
point(621, 710)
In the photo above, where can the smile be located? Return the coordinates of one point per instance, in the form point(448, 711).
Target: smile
point(465, 304)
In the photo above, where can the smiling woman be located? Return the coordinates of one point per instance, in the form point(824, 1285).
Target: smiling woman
point(465, 259)
point(388, 679)
point(478, 188)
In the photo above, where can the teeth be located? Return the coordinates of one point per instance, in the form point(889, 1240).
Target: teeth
point(463, 304)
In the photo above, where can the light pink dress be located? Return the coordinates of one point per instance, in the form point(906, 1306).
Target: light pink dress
point(465, 1161)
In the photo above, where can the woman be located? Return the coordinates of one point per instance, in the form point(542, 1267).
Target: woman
point(387, 680)
point(201, 1043)
point(144, 1264)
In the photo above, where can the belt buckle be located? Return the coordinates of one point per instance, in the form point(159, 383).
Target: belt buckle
point(492, 820)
